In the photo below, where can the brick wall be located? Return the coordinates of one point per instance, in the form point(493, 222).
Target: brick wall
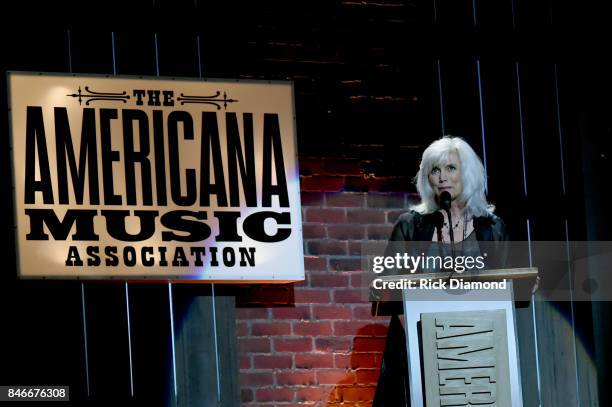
point(324, 348)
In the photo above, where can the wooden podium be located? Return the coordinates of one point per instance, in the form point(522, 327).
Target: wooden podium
point(461, 343)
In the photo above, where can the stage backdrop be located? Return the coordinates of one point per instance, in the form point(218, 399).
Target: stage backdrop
point(155, 178)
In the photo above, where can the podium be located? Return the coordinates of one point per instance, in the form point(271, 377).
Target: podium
point(461, 340)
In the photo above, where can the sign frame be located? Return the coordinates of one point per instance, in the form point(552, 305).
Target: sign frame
point(292, 172)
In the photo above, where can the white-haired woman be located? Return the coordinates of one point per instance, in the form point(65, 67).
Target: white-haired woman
point(450, 164)
point(450, 176)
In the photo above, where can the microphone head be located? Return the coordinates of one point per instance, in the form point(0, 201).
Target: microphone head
point(445, 200)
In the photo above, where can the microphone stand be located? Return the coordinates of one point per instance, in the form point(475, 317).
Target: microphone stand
point(445, 204)
point(452, 240)
point(451, 232)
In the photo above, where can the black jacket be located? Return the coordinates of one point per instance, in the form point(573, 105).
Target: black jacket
point(393, 389)
point(415, 226)
point(412, 226)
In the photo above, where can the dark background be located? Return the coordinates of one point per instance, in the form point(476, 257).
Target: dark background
point(526, 83)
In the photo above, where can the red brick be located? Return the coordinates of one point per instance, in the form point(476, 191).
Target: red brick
point(312, 198)
point(345, 200)
point(363, 184)
point(315, 263)
point(291, 313)
point(318, 393)
point(335, 398)
point(346, 232)
point(397, 184)
point(343, 403)
point(337, 377)
point(373, 247)
point(342, 361)
point(322, 183)
point(362, 312)
point(311, 165)
point(355, 248)
point(329, 280)
point(274, 394)
point(312, 328)
point(272, 362)
point(333, 344)
point(249, 296)
point(327, 215)
point(388, 200)
point(313, 361)
point(353, 296)
point(246, 395)
point(368, 344)
point(252, 313)
point(293, 344)
point(342, 166)
point(345, 264)
point(245, 362)
point(364, 216)
point(331, 247)
point(314, 231)
point(357, 393)
point(332, 312)
point(379, 232)
point(367, 376)
point(305, 283)
point(365, 360)
point(296, 378)
point(305, 296)
point(242, 329)
point(297, 405)
point(362, 281)
point(271, 328)
point(256, 379)
point(359, 328)
point(254, 345)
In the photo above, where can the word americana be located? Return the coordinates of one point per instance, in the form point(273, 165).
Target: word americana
point(159, 139)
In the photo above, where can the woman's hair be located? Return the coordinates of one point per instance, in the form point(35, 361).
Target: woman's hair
point(473, 177)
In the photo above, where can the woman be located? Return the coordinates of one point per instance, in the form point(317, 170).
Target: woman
point(450, 170)
point(450, 165)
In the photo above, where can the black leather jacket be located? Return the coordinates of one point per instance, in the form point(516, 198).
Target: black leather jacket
point(414, 227)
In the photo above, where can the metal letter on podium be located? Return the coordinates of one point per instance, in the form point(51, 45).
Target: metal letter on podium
point(465, 358)
point(462, 344)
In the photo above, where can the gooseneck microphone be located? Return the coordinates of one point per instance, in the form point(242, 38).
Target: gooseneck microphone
point(445, 204)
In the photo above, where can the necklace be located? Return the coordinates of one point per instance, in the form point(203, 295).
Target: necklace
point(456, 225)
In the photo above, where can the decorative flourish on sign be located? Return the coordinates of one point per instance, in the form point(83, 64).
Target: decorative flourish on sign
point(92, 96)
point(210, 100)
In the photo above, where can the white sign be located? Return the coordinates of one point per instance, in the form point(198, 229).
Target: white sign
point(155, 178)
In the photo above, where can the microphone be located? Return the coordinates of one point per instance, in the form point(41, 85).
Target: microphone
point(445, 204)
point(445, 200)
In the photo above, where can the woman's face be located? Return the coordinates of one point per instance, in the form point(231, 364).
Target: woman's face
point(446, 176)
